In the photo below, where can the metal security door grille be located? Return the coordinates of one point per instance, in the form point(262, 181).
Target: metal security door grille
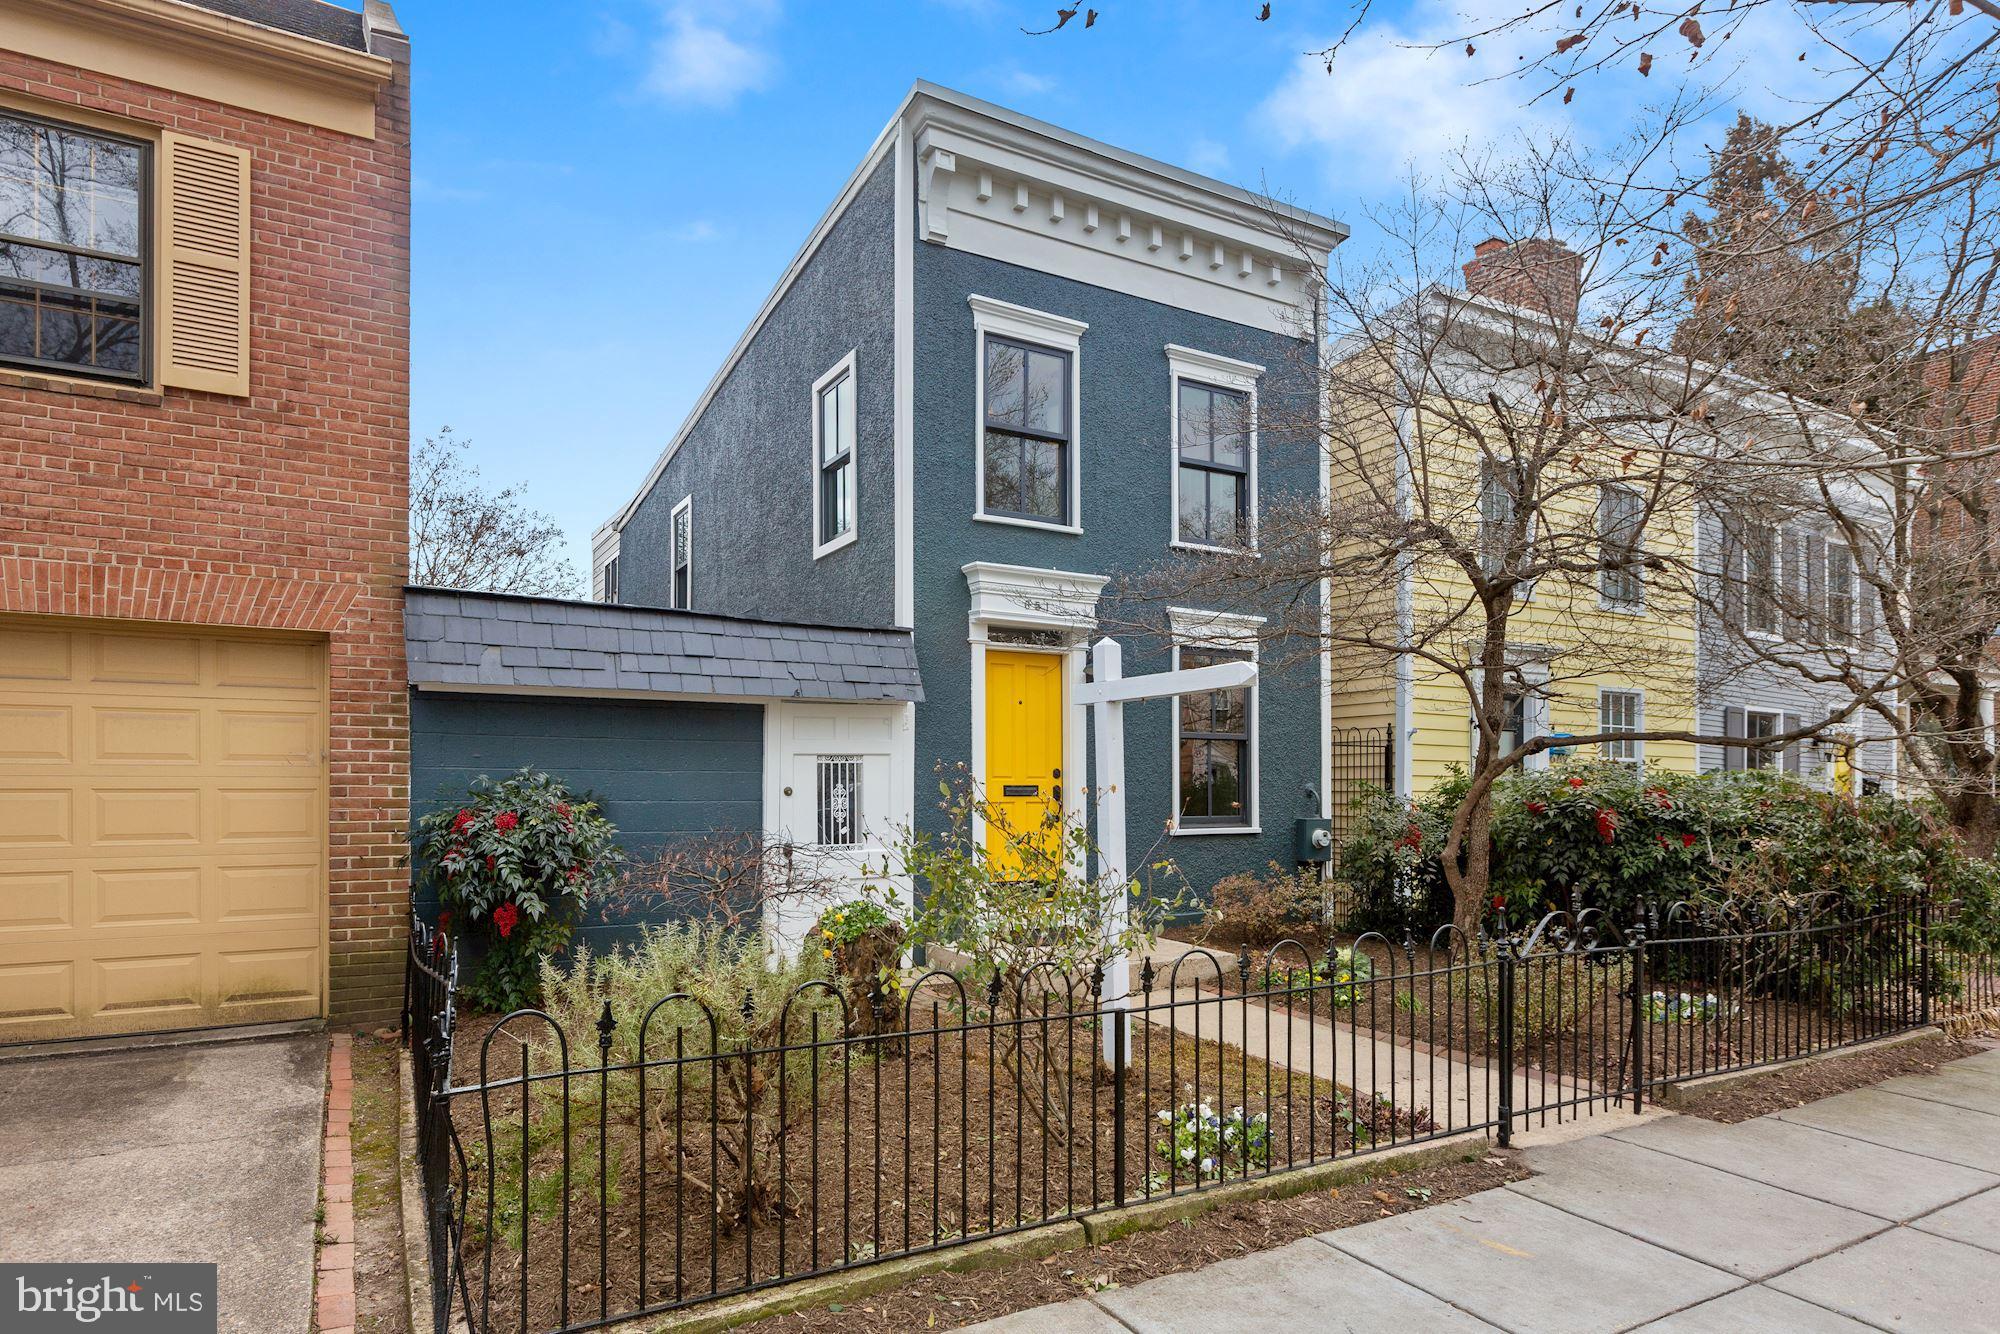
point(839, 800)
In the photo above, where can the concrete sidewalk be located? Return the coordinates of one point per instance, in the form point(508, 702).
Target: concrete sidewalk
point(198, 1153)
point(1878, 1209)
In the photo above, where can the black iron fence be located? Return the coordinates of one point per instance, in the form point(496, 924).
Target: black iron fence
point(1363, 758)
point(585, 1169)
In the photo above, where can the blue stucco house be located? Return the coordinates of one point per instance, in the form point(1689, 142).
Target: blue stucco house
point(1010, 365)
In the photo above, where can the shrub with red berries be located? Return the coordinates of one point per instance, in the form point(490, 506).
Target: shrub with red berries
point(515, 861)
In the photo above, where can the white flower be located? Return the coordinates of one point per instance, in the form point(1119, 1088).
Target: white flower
point(1187, 1155)
point(1208, 1164)
point(1165, 1116)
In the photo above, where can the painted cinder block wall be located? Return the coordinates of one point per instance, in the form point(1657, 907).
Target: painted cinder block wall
point(283, 510)
point(662, 771)
point(1126, 460)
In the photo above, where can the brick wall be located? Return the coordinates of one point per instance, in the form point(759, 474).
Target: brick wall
point(286, 509)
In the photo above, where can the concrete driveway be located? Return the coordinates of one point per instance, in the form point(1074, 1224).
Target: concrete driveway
point(1878, 1209)
point(197, 1153)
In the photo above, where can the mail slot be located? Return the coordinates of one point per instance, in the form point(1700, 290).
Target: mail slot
point(1021, 790)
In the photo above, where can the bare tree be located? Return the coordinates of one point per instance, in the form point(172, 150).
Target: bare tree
point(1518, 451)
point(463, 536)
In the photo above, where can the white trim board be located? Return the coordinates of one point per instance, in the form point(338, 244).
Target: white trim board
point(1218, 372)
point(842, 369)
point(1229, 632)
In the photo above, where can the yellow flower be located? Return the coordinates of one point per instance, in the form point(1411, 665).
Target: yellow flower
point(827, 953)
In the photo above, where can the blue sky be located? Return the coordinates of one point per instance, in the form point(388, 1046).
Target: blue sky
point(606, 191)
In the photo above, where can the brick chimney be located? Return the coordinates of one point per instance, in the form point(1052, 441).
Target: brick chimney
point(1538, 273)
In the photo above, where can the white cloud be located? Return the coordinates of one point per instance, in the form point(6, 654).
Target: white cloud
point(694, 232)
point(709, 55)
point(1390, 100)
point(1207, 156)
point(1024, 83)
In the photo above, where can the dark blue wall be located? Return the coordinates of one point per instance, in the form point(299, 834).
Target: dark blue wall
point(1126, 459)
point(662, 771)
point(747, 462)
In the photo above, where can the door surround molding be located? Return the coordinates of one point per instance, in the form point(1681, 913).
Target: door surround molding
point(1019, 597)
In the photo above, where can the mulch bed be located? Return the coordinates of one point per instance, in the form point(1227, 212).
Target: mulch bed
point(948, 1301)
point(1775, 1090)
point(909, 1149)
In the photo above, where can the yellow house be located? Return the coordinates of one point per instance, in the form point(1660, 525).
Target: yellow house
point(1422, 465)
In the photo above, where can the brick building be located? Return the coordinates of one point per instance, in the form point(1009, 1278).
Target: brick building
point(204, 378)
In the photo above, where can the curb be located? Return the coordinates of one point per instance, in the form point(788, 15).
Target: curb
point(1674, 1095)
point(1048, 1239)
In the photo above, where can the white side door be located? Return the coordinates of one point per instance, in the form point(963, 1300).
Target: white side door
point(837, 797)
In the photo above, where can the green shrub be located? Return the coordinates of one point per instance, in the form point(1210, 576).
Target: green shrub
point(515, 861)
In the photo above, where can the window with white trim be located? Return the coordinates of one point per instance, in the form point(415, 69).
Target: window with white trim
point(1213, 447)
point(1026, 416)
point(1761, 723)
point(1215, 731)
point(1760, 579)
point(1498, 504)
point(1214, 422)
point(1027, 435)
point(1840, 592)
point(608, 581)
point(681, 555)
point(1620, 711)
point(833, 458)
point(1620, 519)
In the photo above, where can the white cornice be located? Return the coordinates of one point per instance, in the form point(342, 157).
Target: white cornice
point(1023, 595)
point(997, 183)
point(1198, 627)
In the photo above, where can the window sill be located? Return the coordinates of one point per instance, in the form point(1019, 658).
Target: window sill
point(1207, 550)
point(1042, 525)
point(1621, 608)
point(16, 378)
point(846, 539)
point(1210, 830)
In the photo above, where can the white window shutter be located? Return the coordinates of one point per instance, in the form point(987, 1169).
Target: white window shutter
point(204, 322)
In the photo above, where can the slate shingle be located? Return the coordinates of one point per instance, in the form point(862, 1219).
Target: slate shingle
point(458, 638)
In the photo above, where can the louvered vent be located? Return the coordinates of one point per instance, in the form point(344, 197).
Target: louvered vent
point(206, 298)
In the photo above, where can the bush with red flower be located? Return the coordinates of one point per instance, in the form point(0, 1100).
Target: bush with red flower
point(515, 861)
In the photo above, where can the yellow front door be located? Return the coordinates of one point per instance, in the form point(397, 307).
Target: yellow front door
point(1024, 751)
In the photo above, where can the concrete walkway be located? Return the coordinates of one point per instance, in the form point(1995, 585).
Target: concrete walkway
point(190, 1153)
point(1457, 1088)
point(1878, 1209)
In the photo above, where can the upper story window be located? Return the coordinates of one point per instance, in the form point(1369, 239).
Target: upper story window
point(833, 458)
point(1841, 592)
point(1620, 521)
point(72, 249)
point(1027, 431)
point(680, 557)
point(1215, 449)
point(1027, 415)
point(1497, 507)
point(610, 580)
point(1760, 579)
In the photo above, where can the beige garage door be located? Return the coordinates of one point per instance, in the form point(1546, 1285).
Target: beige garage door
point(162, 829)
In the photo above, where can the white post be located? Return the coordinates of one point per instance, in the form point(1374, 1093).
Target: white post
point(1108, 715)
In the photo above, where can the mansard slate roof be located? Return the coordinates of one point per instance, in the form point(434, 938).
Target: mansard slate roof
point(502, 641)
point(316, 19)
